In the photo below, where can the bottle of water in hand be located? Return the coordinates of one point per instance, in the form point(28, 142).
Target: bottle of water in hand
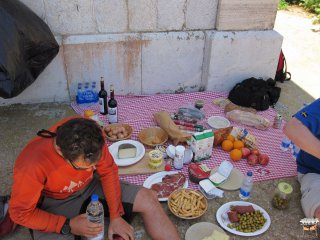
point(246, 187)
point(95, 214)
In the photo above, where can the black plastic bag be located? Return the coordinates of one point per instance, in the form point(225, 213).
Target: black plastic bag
point(27, 46)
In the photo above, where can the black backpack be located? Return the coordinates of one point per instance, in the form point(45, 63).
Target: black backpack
point(256, 93)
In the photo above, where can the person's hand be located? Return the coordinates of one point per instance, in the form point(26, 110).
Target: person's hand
point(81, 226)
point(120, 227)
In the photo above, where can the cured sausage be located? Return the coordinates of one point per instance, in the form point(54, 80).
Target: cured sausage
point(243, 209)
point(233, 216)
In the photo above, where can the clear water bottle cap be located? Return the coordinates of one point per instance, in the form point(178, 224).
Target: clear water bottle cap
point(249, 173)
point(94, 197)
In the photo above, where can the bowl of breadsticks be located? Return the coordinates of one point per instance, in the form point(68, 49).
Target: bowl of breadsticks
point(187, 203)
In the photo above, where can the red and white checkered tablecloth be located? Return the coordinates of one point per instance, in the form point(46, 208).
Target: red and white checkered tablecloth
point(138, 112)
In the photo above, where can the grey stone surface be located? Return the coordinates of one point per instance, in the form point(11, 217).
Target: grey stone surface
point(233, 60)
point(201, 14)
point(117, 57)
point(246, 15)
point(142, 15)
point(163, 71)
point(111, 15)
point(70, 17)
point(170, 14)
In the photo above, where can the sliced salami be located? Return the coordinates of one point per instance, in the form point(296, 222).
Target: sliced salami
point(169, 184)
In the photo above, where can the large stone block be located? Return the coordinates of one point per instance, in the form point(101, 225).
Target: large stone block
point(236, 56)
point(37, 6)
point(50, 86)
point(201, 14)
point(111, 15)
point(246, 15)
point(116, 57)
point(142, 15)
point(171, 61)
point(71, 17)
point(171, 14)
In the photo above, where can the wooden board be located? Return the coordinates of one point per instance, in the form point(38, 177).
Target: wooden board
point(140, 167)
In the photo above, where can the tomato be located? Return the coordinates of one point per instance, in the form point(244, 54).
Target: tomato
point(264, 159)
point(252, 159)
point(167, 167)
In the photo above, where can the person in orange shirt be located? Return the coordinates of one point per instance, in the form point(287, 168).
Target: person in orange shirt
point(57, 172)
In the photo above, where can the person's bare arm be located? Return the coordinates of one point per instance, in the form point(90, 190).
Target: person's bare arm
point(302, 137)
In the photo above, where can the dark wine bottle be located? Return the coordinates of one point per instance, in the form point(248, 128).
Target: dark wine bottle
point(112, 107)
point(103, 98)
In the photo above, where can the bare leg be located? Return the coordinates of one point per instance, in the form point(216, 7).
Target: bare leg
point(157, 223)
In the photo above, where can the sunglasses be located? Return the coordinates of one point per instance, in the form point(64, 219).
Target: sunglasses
point(81, 168)
point(76, 167)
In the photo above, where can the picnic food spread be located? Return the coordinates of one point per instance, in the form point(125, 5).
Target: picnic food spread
point(240, 141)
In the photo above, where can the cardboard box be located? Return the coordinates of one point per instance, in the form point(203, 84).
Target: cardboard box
point(202, 144)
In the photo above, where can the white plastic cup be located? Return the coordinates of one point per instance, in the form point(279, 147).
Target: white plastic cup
point(178, 157)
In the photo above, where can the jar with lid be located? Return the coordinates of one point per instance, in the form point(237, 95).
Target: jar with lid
point(282, 196)
point(178, 157)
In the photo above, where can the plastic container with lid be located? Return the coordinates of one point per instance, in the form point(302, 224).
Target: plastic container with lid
point(282, 196)
point(155, 159)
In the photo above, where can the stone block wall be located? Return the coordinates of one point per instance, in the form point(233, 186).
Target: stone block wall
point(155, 46)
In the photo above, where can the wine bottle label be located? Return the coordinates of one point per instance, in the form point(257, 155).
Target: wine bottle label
point(101, 104)
point(113, 115)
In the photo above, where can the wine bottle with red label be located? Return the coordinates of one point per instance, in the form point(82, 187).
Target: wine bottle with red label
point(103, 98)
point(112, 107)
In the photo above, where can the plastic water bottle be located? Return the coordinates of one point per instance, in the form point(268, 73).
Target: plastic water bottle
point(94, 92)
point(246, 187)
point(285, 144)
point(95, 214)
point(295, 151)
point(79, 97)
point(86, 92)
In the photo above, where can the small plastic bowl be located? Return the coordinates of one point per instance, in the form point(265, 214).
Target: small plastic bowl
point(217, 122)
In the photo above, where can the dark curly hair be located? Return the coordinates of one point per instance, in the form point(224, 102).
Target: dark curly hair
point(80, 136)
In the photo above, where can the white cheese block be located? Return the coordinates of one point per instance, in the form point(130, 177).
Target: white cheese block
point(216, 235)
point(127, 150)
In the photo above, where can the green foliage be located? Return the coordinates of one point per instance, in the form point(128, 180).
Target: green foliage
point(312, 6)
point(282, 5)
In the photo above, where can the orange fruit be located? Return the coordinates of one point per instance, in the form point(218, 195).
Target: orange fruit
point(88, 113)
point(227, 145)
point(230, 137)
point(236, 154)
point(238, 144)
